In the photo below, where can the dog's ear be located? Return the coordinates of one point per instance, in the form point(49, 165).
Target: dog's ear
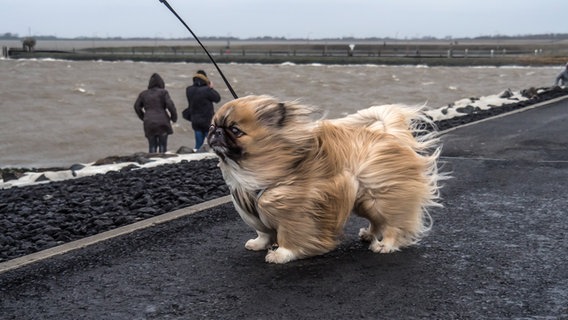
point(272, 114)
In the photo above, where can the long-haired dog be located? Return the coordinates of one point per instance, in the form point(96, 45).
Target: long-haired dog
point(296, 179)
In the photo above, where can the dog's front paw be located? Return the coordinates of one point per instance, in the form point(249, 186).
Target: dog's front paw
point(260, 243)
point(256, 245)
point(280, 255)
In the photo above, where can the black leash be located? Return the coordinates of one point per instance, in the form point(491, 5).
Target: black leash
point(202, 46)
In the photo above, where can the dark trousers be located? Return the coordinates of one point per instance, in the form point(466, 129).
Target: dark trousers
point(158, 144)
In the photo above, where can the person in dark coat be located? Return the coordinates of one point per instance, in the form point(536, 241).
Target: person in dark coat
point(155, 107)
point(200, 98)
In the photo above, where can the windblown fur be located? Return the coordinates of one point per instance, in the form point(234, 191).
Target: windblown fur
point(296, 179)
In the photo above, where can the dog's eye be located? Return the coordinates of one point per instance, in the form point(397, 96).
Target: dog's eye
point(236, 131)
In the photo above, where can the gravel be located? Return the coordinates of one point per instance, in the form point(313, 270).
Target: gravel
point(38, 217)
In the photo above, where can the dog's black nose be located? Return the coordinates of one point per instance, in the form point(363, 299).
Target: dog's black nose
point(216, 136)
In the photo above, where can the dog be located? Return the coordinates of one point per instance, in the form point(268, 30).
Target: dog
point(295, 178)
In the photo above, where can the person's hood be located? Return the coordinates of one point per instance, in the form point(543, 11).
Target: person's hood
point(200, 80)
point(156, 82)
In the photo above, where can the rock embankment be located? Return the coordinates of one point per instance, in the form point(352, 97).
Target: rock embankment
point(41, 216)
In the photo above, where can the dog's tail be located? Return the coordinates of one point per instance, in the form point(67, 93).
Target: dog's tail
point(407, 123)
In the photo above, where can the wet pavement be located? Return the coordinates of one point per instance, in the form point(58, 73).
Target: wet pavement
point(497, 251)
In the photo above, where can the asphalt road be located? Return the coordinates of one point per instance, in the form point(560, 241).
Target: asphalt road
point(497, 251)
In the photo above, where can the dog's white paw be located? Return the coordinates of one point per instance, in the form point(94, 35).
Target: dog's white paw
point(256, 245)
point(366, 235)
point(260, 243)
point(280, 255)
point(382, 247)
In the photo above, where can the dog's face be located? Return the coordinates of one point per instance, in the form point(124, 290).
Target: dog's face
point(249, 127)
point(260, 139)
point(234, 127)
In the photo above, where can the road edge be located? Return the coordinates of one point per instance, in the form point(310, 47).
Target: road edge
point(108, 235)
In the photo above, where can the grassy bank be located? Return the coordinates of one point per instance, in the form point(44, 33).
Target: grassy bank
point(300, 59)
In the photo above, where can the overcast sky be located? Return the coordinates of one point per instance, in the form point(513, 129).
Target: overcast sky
point(313, 19)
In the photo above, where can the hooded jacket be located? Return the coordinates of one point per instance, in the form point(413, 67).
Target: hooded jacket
point(151, 107)
point(200, 98)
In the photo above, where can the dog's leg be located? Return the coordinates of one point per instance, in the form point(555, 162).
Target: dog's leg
point(367, 208)
point(287, 250)
point(293, 246)
point(392, 230)
point(386, 245)
point(389, 243)
point(307, 222)
point(262, 241)
point(366, 234)
point(280, 255)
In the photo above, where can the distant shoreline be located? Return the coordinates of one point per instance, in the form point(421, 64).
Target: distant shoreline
point(431, 53)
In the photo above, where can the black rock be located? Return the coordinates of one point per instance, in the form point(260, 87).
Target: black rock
point(76, 167)
point(468, 109)
point(184, 150)
point(506, 94)
point(8, 175)
point(42, 178)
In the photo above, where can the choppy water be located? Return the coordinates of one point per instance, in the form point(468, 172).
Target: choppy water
point(56, 113)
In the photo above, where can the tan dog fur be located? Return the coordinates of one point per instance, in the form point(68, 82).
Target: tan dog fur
point(296, 180)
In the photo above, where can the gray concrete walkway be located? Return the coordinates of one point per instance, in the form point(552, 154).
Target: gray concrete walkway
point(497, 251)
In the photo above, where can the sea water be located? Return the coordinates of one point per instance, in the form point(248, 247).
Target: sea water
point(56, 113)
